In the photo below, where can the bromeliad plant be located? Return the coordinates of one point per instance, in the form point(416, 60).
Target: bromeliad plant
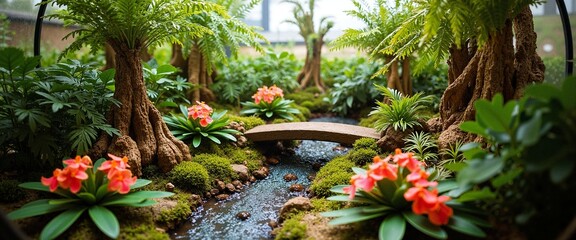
point(399, 189)
point(269, 101)
point(200, 121)
point(86, 187)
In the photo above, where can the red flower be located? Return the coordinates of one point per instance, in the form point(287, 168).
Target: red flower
point(71, 178)
point(120, 181)
point(267, 94)
point(440, 213)
point(406, 160)
point(418, 175)
point(52, 182)
point(81, 163)
point(201, 111)
point(116, 163)
point(380, 169)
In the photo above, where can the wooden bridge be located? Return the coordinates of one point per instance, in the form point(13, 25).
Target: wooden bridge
point(323, 131)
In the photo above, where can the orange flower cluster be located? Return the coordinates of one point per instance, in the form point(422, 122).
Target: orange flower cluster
point(425, 201)
point(71, 177)
point(201, 111)
point(267, 94)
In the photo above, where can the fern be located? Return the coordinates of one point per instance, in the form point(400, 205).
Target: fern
point(401, 112)
point(423, 145)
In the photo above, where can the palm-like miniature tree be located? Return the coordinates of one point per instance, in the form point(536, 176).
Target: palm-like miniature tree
point(304, 19)
point(381, 20)
point(129, 26)
point(491, 46)
point(203, 52)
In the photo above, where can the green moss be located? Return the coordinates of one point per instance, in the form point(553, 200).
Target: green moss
point(300, 97)
point(369, 143)
point(218, 167)
point(252, 158)
point(292, 229)
point(209, 147)
point(178, 213)
point(368, 121)
point(10, 192)
point(361, 156)
point(323, 205)
point(304, 112)
point(337, 171)
point(249, 122)
point(191, 176)
point(151, 171)
point(142, 232)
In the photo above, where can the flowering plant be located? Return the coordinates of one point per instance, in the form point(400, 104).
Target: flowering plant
point(86, 187)
point(200, 121)
point(269, 101)
point(400, 189)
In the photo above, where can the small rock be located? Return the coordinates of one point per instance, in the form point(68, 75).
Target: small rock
point(230, 187)
point(195, 198)
point(221, 186)
point(237, 184)
point(208, 195)
point(214, 191)
point(241, 170)
point(296, 188)
point(252, 179)
point(316, 166)
point(243, 215)
point(260, 174)
point(290, 177)
point(339, 148)
point(272, 160)
point(161, 230)
point(273, 224)
point(169, 187)
point(222, 197)
point(294, 205)
point(311, 177)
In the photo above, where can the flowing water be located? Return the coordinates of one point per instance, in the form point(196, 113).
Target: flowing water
point(262, 199)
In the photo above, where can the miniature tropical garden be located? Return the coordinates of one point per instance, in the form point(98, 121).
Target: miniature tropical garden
point(137, 127)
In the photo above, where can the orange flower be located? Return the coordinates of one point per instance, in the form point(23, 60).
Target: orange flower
point(81, 163)
point(115, 164)
point(201, 111)
point(418, 175)
point(71, 178)
point(406, 160)
point(52, 182)
point(380, 169)
point(267, 94)
point(440, 213)
point(120, 181)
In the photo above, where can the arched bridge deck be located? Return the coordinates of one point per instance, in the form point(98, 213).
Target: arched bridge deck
point(323, 131)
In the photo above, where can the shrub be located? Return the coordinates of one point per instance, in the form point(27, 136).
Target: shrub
point(191, 176)
point(337, 171)
point(218, 167)
point(401, 113)
point(361, 156)
point(10, 192)
point(369, 143)
point(163, 86)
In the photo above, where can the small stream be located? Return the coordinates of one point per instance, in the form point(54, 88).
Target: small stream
point(262, 199)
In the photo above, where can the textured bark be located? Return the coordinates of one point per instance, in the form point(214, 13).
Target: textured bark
point(406, 81)
point(497, 67)
point(144, 137)
point(399, 77)
point(312, 66)
point(199, 76)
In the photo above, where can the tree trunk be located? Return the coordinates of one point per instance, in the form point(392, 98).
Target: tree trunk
point(109, 57)
point(178, 60)
point(495, 68)
point(406, 81)
point(199, 76)
point(144, 137)
point(312, 67)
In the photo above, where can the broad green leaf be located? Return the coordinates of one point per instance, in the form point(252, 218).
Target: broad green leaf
point(506, 177)
point(61, 223)
point(528, 133)
point(456, 166)
point(423, 225)
point(87, 197)
point(121, 201)
point(392, 227)
point(491, 114)
point(561, 170)
point(36, 208)
point(105, 220)
point(483, 194)
point(358, 170)
point(149, 194)
point(140, 183)
point(464, 226)
point(446, 185)
point(196, 141)
point(480, 170)
point(34, 186)
point(357, 217)
point(102, 192)
point(339, 189)
point(473, 127)
point(342, 212)
point(64, 201)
